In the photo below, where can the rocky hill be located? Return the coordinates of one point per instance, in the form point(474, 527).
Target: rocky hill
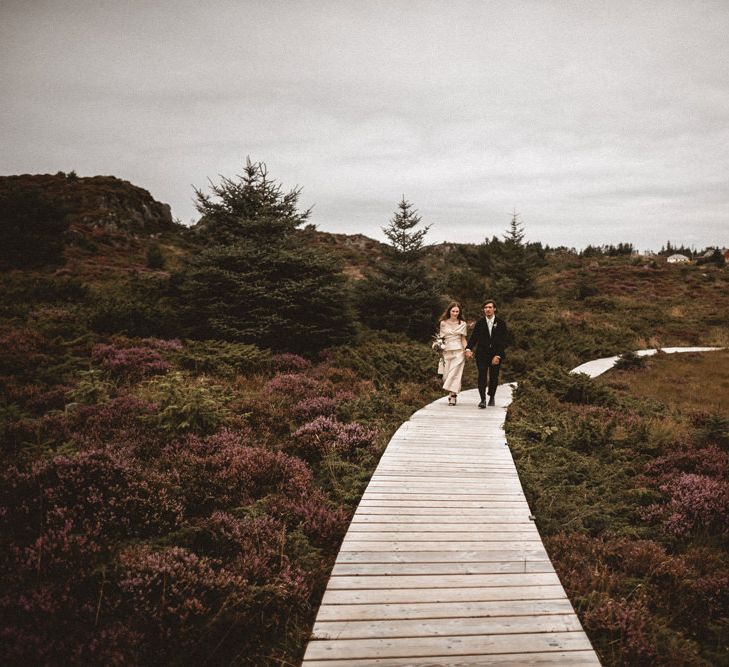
point(98, 201)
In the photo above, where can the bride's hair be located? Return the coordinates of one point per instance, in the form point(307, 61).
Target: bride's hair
point(447, 314)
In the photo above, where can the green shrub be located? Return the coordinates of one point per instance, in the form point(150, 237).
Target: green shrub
point(135, 309)
point(92, 387)
point(629, 360)
point(155, 258)
point(187, 405)
point(386, 359)
point(577, 388)
point(222, 358)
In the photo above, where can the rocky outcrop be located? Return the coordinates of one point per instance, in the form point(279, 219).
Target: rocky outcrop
point(103, 202)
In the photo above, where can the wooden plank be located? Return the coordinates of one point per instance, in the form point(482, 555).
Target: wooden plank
point(386, 582)
point(552, 659)
point(432, 496)
point(496, 483)
point(531, 553)
point(465, 625)
point(460, 609)
point(417, 501)
point(442, 568)
point(447, 645)
point(459, 509)
point(400, 595)
point(450, 536)
point(432, 526)
point(354, 544)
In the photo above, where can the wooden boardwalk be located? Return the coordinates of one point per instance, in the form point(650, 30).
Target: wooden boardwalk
point(442, 564)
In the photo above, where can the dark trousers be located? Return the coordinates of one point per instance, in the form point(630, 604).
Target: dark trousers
point(487, 370)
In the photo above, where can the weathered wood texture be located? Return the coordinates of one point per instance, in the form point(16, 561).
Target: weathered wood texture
point(442, 564)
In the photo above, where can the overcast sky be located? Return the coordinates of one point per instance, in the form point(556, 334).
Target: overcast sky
point(598, 121)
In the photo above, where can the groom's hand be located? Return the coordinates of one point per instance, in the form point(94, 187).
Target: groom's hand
point(496, 360)
point(469, 353)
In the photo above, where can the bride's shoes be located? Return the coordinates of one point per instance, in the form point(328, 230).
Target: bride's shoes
point(451, 399)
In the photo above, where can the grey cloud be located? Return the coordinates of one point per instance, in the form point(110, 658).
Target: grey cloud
point(584, 116)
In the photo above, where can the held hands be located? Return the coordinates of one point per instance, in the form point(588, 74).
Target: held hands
point(495, 361)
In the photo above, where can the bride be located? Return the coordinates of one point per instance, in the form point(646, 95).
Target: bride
point(453, 332)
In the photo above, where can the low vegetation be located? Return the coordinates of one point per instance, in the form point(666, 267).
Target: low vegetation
point(628, 476)
point(188, 419)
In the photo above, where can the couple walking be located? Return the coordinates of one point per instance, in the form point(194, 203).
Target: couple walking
point(488, 338)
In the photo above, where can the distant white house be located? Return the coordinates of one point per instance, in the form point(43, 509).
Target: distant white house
point(678, 258)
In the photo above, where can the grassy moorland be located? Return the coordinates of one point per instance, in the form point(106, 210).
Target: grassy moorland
point(175, 494)
point(628, 476)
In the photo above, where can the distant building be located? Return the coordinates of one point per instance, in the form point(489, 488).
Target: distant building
point(678, 258)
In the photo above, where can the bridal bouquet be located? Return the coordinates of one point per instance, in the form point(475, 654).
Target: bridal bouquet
point(438, 344)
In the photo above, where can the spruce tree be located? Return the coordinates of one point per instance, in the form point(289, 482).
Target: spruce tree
point(257, 282)
point(252, 206)
point(514, 263)
point(400, 296)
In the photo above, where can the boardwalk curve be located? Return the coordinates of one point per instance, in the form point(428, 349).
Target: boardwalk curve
point(442, 563)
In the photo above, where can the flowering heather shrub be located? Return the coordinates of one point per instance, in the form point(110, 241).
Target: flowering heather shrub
point(344, 395)
point(630, 592)
point(323, 526)
point(129, 363)
point(270, 420)
point(711, 461)
point(193, 608)
point(296, 386)
point(224, 470)
point(177, 599)
point(695, 503)
point(287, 361)
point(257, 544)
point(22, 351)
point(52, 398)
point(633, 636)
point(36, 397)
point(73, 509)
point(166, 345)
point(117, 423)
point(47, 624)
point(35, 435)
point(324, 435)
point(314, 407)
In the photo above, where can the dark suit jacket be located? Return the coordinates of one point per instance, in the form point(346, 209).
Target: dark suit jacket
point(489, 346)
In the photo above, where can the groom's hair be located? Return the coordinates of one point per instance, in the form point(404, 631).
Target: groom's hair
point(486, 303)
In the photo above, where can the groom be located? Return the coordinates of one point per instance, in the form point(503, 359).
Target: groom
point(489, 338)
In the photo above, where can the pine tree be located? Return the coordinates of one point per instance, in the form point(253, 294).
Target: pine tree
point(251, 207)
point(400, 297)
point(257, 282)
point(513, 264)
point(406, 243)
